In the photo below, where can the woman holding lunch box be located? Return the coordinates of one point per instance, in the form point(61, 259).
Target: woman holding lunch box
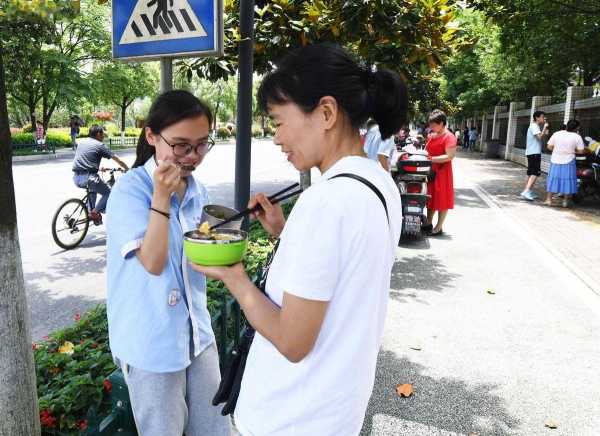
point(311, 367)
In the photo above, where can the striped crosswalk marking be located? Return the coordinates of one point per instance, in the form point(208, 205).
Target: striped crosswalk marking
point(149, 24)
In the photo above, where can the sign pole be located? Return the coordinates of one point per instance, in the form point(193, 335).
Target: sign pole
point(244, 107)
point(166, 74)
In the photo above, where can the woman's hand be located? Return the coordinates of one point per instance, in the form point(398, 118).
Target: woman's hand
point(270, 216)
point(233, 276)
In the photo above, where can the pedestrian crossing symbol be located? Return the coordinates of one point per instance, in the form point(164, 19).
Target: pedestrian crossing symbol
point(156, 21)
point(159, 28)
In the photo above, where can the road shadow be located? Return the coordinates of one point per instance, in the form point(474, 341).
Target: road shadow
point(468, 198)
point(439, 404)
point(48, 312)
point(416, 244)
point(411, 276)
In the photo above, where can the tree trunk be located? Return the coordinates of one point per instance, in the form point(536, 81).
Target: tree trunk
point(18, 396)
point(123, 110)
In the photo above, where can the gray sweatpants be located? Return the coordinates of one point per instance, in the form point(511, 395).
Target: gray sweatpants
point(169, 404)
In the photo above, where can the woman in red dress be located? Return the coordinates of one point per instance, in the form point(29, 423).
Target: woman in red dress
point(441, 145)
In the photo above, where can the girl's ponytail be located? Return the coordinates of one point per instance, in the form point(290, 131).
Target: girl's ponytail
point(387, 101)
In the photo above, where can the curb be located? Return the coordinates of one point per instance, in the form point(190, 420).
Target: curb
point(58, 155)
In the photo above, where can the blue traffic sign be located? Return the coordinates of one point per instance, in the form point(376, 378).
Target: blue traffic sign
point(167, 28)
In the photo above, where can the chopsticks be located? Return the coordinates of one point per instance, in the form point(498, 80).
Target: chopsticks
point(274, 199)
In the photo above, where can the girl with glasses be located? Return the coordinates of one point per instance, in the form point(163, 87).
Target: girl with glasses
point(159, 326)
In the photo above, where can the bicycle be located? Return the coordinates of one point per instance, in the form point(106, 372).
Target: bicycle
point(73, 216)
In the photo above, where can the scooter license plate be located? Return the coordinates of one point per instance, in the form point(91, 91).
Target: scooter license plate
point(413, 209)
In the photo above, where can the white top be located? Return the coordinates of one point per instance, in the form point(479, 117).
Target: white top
point(375, 146)
point(337, 246)
point(565, 144)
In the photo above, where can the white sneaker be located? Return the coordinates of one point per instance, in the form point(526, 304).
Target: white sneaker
point(534, 195)
point(526, 195)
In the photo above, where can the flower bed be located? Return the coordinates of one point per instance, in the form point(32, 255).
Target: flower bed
point(73, 364)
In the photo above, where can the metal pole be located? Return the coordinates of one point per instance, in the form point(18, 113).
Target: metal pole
point(166, 74)
point(244, 107)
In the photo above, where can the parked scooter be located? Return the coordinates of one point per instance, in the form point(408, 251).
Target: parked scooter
point(588, 173)
point(412, 172)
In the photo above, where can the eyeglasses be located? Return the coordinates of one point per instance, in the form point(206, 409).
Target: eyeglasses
point(183, 149)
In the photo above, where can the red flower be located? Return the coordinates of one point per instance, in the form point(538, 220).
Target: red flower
point(107, 385)
point(45, 338)
point(77, 317)
point(82, 424)
point(46, 419)
point(34, 346)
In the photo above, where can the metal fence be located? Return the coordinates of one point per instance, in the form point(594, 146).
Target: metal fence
point(502, 129)
point(128, 141)
point(556, 121)
point(590, 122)
point(490, 128)
point(523, 123)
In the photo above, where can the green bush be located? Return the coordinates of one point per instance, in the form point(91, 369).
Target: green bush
point(233, 131)
point(269, 131)
point(132, 132)
point(73, 364)
point(84, 132)
point(257, 132)
point(58, 140)
point(53, 139)
point(223, 133)
point(110, 129)
point(28, 128)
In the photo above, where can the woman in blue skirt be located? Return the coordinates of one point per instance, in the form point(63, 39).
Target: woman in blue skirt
point(562, 178)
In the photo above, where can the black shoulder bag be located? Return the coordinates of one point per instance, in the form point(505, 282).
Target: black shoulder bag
point(229, 388)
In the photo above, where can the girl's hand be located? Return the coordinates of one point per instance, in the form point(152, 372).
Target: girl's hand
point(166, 179)
point(232, 276)
point(270, 216)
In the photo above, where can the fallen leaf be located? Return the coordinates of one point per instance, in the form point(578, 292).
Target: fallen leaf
point(551, 424)
point(405, 390)
point(415, 347)
point(491, 292)
point(473, 434)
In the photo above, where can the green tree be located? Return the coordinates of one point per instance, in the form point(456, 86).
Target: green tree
point(46, 60)
point(18, 399)
point(412, 37)
point(121, 84)
point(559, 40)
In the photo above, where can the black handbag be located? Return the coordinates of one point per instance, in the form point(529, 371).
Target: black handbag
point(229, 388)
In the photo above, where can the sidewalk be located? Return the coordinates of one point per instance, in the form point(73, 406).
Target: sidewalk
point(491, 325)
point(572, 234)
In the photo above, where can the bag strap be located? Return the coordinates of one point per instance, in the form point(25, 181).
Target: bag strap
point(369, 185)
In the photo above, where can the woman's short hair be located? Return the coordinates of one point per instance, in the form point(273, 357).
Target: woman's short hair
point(308, 74)
point(437, 117)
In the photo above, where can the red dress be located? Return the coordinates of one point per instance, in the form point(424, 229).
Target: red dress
point(442, 187)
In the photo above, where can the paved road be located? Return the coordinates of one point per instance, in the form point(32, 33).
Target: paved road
point(62, 283)
point(481, 363)
point(492, 364)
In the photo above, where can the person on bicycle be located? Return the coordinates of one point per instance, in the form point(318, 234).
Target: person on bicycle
point(86, 164)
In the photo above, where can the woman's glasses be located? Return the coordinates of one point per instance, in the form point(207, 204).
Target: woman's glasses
point(183, 149)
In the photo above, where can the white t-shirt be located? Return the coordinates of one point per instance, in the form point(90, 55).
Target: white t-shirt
point(337, 246)
point(565, 144)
